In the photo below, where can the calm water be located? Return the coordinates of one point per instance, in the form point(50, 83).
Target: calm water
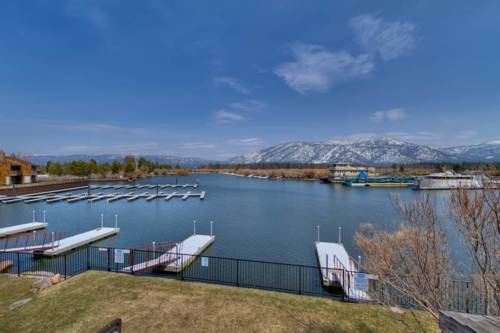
point(253, 218)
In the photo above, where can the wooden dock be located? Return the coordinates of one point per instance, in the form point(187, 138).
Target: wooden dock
point(338, 269)
point(18, 229)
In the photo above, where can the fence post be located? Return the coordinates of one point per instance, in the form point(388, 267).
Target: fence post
point(182, 265)
point(65, 264)
point(18, 265)
point(238, 272)
point(132, 255)
point(300, 280)
point(88, 257)
point(109, 259)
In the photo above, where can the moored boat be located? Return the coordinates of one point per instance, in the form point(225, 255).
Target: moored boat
point(449, 180)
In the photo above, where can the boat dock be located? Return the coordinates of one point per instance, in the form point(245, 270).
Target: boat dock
point(63, 245)
point(73, 242)
point(111, 197)
point(338, 269)
point(18, 229)
point(191, 248)
point(140, 186)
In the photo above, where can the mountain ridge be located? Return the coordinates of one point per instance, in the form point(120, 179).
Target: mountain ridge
point(374, 151)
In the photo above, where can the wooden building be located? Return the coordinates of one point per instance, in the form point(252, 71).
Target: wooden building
point(15, 171)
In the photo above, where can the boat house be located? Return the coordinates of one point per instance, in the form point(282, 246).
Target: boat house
point(341, 171)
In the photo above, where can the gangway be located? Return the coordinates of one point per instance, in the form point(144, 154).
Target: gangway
point(161, 253)
point(31, 241)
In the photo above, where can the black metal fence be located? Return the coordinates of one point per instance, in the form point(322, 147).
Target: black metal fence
point(291, 278)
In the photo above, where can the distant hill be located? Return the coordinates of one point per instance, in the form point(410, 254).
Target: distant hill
point(378, 151)
point(109, 158)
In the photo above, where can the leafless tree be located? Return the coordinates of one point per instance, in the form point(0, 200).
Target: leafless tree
point(477, 218)
point(414, 260)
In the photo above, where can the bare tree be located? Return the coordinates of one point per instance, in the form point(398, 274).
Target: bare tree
point(414, 260)
point(477, 218)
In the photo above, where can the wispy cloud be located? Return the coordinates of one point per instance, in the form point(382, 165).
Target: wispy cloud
point(134, 149)
point(417, 137)
point(94, 127)
point(233, 83)
point(391, 115)
point(228, 117)
point(466, 134)
point(316, 69)
point(247, 142)
point(237, 112)
point(389, 40)
point(197, 145)
point(89, 12)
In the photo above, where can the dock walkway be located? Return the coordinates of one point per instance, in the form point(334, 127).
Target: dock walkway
point(177, 258)
point(337, 268)
point(18, 229)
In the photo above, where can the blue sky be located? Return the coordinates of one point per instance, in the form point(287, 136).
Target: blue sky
point(218, 78)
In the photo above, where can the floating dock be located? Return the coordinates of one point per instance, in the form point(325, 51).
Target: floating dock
point(111, 197)
point(73, 242)
point(66, 244)
point(191, 248)
point(18, 229)
point(180, 256)
point(338, 269)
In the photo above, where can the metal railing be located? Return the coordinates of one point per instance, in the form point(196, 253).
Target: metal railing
point(291, 278)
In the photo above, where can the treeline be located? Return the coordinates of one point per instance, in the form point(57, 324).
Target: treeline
point(129, 166)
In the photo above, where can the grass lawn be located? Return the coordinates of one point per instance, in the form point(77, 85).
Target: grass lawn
point(147, 304)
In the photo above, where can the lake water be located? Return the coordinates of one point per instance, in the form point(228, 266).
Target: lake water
point(253, 218)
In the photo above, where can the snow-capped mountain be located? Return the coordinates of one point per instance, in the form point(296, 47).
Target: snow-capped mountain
point(484, 152)
point(372, 151)
point(378, 151)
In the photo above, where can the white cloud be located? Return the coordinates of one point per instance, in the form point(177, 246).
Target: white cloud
point(419, 136)
point(233, 83)
point(466, 134)
point(392, 115)
point(94, 127)
point(197, 145)
point(317, 69)
point(228, 117)
point(389, 40)
point(236, 112)
point(134, 149)
point(247, 142)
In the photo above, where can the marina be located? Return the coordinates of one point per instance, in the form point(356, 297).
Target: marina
point(111, 197)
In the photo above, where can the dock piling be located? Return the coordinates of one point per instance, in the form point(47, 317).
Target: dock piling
point(33, 215)
point(44, 218)
point(318, 231)
point(211, 228)
point(116, 221)
point(102, 220)
point(340, 235)
point(194, 227)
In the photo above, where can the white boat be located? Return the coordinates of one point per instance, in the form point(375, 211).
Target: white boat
point(448, 180)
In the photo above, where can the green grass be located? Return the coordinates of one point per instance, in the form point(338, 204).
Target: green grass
point(147, 304)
